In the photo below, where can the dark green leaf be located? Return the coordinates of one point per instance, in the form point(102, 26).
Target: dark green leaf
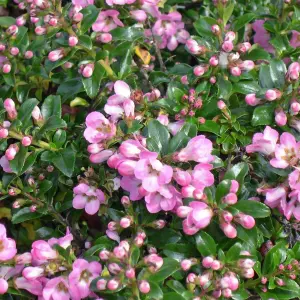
point(169, 267)
point(90, 15)
point(92, 84)
point(18, 162)
point(155, 292)
point(85, 41)
point(263, 115)
point(51, 107)
point(24, 214)
point(7, 21)
point(246, 87)
point(51, 124)
point(253, 208)
point(64, 160)
point(24, 113)
point(238, 172)
point(274, 258)
point(205, 244)
point(126, 64)
point(70, 88)
point(242, 20)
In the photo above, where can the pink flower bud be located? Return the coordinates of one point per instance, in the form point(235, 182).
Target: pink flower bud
point(32, 273)
point(104, 254)
point(10, 107)
point(12, 192)
point(191, 278)
point(230, 36)
point(247, 65)
point(227, 293)
point(55, 55)
point(187, 191)
point(113, 284)
point(127, 167)
point(244, 47)
point(186, 264)
point(34, 20)
point(246, 263)
point(139, 241)
point(130, 273)
point(246, 221)
point(28, 54)
point(101, 284)
point(73, 41)
point(114, 268)
point(295, 107)
point(26, 141)
point(204, 278)
point(104, 38)
point(12, 30)
point(119, 252)
point(33, 208)
point(248, 273)
point(217, 293)
point(229, 230)
point(138, 15)
point(23, 259)
point(77, 17)
point(199, 70)
point(144, 287)
point(252, 100)
point(183, 178)
point(230, 199)
point(271, 95)
point(88, 70)
point(95, 148)
point(227, 46)
point(227, 216)
point(183, 211)
point(2, 47)
point(3, 133)
point(184, 80)
point(221, 104)
point(234, 186)
point(216, 265)
point(159, 224)
point(213, 80)
point(198, 194)
point(235, 71)
point(39, 30)
point(6, 68)
point(280, 117)
point(214, 61)
point(215, 29)
point(20, 21)
point(207, 262)
point(11, 152)
point(264, 280)
point(3, 286)
point(129, 107)
point(125, 201)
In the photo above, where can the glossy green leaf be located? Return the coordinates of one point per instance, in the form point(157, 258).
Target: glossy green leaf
point(90, 15)
point(24, 214)
point(92, 84)
point(169, 267)
point(263, 115)
point(205, 244)
point(253, 208)
point(51, 107)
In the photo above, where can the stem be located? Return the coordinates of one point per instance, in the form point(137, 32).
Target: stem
point(157, 50)
point(40, 144)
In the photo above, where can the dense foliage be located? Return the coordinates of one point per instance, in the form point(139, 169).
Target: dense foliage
point(149, 150)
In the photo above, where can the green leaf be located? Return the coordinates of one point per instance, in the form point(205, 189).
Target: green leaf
point(64, 160)
point(205, 244)
point(158, 77)
point(126, 64)
point(51, 124)
point(272, 75)
point(134, 255)
point(173, 296)
point(160, 238)
point(22, 92)
point(24, 214)
point(222, 189)
point(70, 88)
point(7, 21)
point(85, 41)
point(210, 126)
point(249, 236)
point(59, 138)
point(51, 107)
point(24, 113)
point(126, 33)
point(263, 115)
point(234, 252)
point(158, 137)
point(203, 26)
point(169, 267)
point(225, 88)
point(246, 87)
point(242, 20)
point(181, 139)
point(90, 15)
point(155, 292)
point(274, 258)
point(253, 208)
point(18, 162)
point(237, 172)
point(257, 54)
point(228, 10)
point(92, 84)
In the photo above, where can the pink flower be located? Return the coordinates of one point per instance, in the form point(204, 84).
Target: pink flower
point(198, 216)
point(152, 172)
point(276, 197)
point(120, 103)
point(41, 252)
point(119, 2)
point(293, 207)
point(139, 15)
point(175, 127)
point(294, 181)
point(198, 149)
point(261, 36)
point(98, 128)
point(4, 163)
point(7, 246)
point(202, 177)
point(134, 187)
point(100, 157)
point(81, 276)
point(295, 40)
point(63, 242)
point(88, 197)
point(265, 142)
point(57, 288)
point(82, 3)
point(107, 21)
point(34, 287)
point(286, 153)
point(165, 198)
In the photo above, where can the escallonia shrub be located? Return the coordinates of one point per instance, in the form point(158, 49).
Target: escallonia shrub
point(149, 150)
